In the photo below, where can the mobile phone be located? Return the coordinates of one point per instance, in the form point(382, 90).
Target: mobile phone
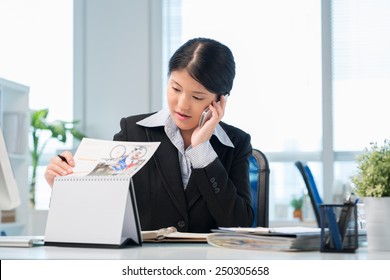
point(206, 115)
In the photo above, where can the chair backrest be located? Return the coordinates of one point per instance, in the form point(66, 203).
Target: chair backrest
point(259, 181)
point(312, 190)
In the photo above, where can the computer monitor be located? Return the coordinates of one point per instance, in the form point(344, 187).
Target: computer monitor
point(9, 192)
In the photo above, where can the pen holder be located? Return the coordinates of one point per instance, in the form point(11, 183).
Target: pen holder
point(339, 228)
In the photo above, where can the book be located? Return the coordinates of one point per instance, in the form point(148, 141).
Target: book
point(21, 241)
point(278, 239)
point(170, 234)
point(96, 205)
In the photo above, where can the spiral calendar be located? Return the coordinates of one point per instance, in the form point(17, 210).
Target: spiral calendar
point(96, 205)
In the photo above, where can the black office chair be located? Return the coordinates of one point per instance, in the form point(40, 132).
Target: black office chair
point(312, 190)
point(259, 182)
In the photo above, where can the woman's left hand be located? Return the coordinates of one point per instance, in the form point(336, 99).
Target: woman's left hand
point(204, 133)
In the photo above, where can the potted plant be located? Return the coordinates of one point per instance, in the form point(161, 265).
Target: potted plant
point(372, 184)
point(58, 129)
point(297, 204)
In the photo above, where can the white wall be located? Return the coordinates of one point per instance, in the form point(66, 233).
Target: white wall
point(117, 62)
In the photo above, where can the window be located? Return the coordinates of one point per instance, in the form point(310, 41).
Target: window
point(36, 50)
point(361, 80)
point(361, 76)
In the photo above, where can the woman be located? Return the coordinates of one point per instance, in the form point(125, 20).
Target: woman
point(198, 178)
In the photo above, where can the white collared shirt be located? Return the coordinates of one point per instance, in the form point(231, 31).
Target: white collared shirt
point(195, 157)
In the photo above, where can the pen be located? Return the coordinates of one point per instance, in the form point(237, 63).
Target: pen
point(352, 198)
point(334, 233)
point(62, 158)
point(345, 215)
point(344, 218)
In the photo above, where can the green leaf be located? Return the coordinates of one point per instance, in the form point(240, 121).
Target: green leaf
point(77, 134)
point(58, 129)
point(38, 119)
point(372, 178)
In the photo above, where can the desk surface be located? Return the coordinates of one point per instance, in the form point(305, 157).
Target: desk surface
point(178, 251)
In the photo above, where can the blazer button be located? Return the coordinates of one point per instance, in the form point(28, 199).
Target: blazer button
point(217, 190)
point(181, 224)
point(212, 179)
point(214, 185)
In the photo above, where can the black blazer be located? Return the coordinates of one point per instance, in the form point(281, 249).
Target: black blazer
point(217, 195)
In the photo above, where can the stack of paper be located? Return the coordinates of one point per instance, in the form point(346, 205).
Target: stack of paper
point(279, 239)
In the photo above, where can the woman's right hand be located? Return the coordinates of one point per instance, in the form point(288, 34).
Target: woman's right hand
point(59, 167)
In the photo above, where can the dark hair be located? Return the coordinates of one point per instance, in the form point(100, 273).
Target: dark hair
point(207, 61)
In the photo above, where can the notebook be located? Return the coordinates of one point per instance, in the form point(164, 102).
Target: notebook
point(170, 234)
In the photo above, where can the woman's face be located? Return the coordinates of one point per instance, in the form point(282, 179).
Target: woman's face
point(187, 99)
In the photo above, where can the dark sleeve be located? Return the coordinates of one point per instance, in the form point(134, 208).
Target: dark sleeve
point(122, 134)
point(224, 185)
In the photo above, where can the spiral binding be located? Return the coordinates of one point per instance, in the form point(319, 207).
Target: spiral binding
point(92, 178)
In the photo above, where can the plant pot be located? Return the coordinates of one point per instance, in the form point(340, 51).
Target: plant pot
point(377, 223)
point(298, 214)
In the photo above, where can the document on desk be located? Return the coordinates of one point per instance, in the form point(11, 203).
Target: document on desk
point(21, 241)
point(170, 234)
point(279, 239)
point(272, 231)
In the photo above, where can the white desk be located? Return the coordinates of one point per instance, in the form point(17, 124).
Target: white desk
point(176, 251)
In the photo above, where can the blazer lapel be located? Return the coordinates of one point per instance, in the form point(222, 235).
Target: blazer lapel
point(168, 166)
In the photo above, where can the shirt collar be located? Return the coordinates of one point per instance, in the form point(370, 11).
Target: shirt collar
point(161, 117)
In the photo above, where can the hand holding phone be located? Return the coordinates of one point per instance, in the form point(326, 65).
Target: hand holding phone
point(206, 115)
point(208, 121)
